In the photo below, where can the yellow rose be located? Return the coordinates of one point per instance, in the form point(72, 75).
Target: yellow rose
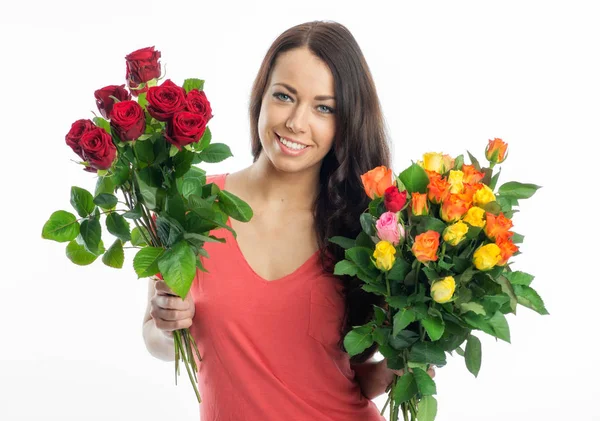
point(486, 257)
point(447, 162)
point(384, 255)
point(456, 181)
point(483, 196)
point(442, 290)
point(475, 217)
point(433, 161)
point(455, 233)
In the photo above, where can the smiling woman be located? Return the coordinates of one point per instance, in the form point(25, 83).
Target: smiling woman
point(269, 316)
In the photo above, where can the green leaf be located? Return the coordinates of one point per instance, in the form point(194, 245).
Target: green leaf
point(61, 227)
point(397, 301)
point(362, 257)
point(144, 151)
point(458, 162)
point(367, 222)
point(381, 335)
point(519, 278)
point(427, 409)
point(102, 123)
point(137, 239)
point(343, 242)
point(380, 315)
point(106, 200)
point(528, 297)
point(374, 289)
point(517, 238)
point(415, 179)
point(402, 319)
point(472, 306)
point(429, 223)
point(345, 267)
point(82, 200)
point(403, 340)
point(399, 270)
point(118, 226)
point(215, 152)
point(192, 83)
point(405, 388)
point(79, 255)
point(474, 161)
point(425, 383)
point(500, 325)
point(358, 339)
point(104, 185)
point(494, 179)
point(516, 190)
point(91, 234)
point(434, 327)
point(135, 213)
point(473, 354)
point(175, 208)
point(234, 206)
point(428, 353)
point(178, 268)
point(183, 162)
point(114, 256)
point(145, 262)
point(507, 288)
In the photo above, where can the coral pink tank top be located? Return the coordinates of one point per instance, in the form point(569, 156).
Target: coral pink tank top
point(269, 348)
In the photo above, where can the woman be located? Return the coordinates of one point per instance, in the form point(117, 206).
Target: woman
point(269, 317)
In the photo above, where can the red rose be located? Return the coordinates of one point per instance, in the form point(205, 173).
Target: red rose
point(394, 199)
point(165, 100)
point(128, 120)
point(198, 103)
point(105, 103)
point(78, 129)
point(142, 66)
point(98, 149)
point(185, 128)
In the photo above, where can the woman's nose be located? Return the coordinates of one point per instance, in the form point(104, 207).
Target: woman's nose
point(298, 119)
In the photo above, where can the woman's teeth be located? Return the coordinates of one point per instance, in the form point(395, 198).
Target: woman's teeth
point(291, 145)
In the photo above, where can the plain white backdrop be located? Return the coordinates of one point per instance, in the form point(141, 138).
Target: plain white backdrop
point(450, 76)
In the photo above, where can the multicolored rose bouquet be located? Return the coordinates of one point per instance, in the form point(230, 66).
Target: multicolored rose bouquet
point(436, 243)
point(146, 150)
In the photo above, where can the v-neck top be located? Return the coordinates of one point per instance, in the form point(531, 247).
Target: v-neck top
point(269, 347)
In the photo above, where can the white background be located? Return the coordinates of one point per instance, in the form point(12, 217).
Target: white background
point(450, 76)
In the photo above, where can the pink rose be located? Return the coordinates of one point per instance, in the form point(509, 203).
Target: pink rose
point(389, 229)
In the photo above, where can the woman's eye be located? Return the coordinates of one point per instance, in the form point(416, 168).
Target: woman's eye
point(280, 95)
point(326, 109)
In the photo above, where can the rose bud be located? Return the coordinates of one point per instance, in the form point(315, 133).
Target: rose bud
point(105, 102)
point(185, 128)
point(78, 129)
point(98, 149)
point(389, 229)
point(128, 120)
point(455, 178)
point(433, 161)
point(165, 100)
point(495, 151)
point(497, 226)
point(142, 66)
point(394, 199)
point(426, 245)
point(487, 256)
point(442, 290)
point(384, 255)
point(377, 181)
point(475, 217)
point(507, 249)
point(455, 233)
point(454, 207)
point(471, 175)
point(483, 195)
point(419, 205)
point(198, 103)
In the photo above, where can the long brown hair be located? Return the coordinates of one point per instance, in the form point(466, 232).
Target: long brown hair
point(360, 145)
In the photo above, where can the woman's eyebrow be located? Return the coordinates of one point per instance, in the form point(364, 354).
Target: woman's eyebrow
point(295, 92)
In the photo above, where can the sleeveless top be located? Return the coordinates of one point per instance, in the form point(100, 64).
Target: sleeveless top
point(269, 348)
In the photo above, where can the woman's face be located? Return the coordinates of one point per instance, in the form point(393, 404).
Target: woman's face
point(298, 105)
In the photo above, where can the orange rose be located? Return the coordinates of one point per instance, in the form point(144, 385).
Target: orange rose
point(438, 187)
point(419, 205)
point(471, 175)
point(471, 189)
point(454, 207)
point(507, 249)
point(495, 152)
point(377, 181)
point(497, 226)
point(426, 245)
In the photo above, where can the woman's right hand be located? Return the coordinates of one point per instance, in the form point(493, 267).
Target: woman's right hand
point(169, 311)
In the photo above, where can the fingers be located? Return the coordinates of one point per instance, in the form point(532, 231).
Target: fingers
point(163, 289)
point(170, 302)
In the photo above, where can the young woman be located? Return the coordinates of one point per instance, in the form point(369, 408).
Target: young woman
point(269, 317)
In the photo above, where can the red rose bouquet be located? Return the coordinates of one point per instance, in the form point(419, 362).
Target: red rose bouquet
point(436, 243)
point(144, 151)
